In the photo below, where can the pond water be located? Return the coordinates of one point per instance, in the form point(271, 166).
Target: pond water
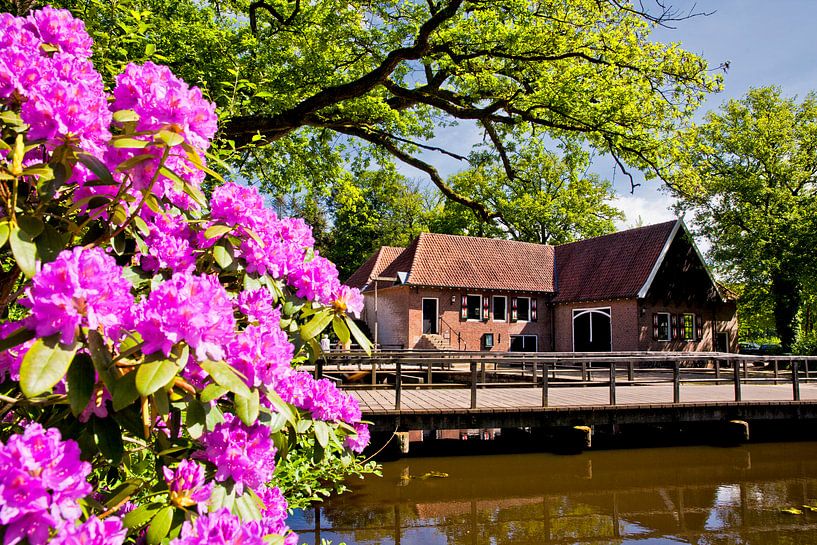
point(696, 495)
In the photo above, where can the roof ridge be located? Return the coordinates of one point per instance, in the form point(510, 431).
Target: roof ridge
point(652, 226)
point(471, 237)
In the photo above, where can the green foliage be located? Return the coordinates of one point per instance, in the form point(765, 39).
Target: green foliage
point(308, 88)
point(747, 176)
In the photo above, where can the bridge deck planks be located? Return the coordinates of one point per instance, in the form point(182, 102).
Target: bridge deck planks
point(379, 402)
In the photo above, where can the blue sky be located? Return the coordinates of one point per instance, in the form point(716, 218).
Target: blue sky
point(767, 42)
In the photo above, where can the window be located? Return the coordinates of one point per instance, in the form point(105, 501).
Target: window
point(474, 307)
point(662, 325)
point(524, 343)
point(500, 308)
point(523, 309)
point(689, 327)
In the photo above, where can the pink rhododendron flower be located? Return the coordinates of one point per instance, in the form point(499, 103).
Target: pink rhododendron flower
point(358, 441)
point(245, 454)
point(82, 287)
point(59, 28)
point(41, 479)
point(348, 299)
point(189, 308)
point(186, 484)
point(218, 528)
point(92, 532)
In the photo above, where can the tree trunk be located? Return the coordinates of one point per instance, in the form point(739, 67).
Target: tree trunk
point(786, 297)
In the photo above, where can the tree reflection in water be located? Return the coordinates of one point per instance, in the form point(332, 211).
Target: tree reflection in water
point(696, 495)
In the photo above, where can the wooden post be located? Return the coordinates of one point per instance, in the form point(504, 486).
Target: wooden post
point(745, 369)
point(805, 369)
point(482, 371)
point(736, 369)
point(584, 371)
point(473, 385)
point(429, 374)
point(717, 370)
point(612, 383)
point(533, 373)
point(374, 372)
point(398, 383)
point(776, 370)
point(795, 381)
point(631, 371)
point(544, 384)
point(676, 382)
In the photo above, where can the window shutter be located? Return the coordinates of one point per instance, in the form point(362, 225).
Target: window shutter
point(674, 326)
point(533, 313)
point(464, 307)
point(655, 326)
point(699, 327)
point(485, 303)
point(513, 309)
point(681, 332)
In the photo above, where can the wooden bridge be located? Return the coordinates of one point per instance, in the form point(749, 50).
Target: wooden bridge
point(456, 390)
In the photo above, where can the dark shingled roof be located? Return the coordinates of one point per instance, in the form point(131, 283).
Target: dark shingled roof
point(373, 267)
point(611, 266)
point(471, 262)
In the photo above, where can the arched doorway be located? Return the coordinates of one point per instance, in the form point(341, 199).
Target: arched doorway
point(592, 330)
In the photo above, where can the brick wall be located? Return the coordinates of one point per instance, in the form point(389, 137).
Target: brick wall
point(392, 319)
point(624, 323)
point(716, 318)
point(467, 334)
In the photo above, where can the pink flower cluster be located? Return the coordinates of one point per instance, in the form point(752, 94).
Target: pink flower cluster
point(44, 67)
point(186, 484)
point(169, 245)
point(245, 454)
point(321, 397)
point(92, 532)
point(41, 479)
point(194, 309)
point(79, 288)
point(163, 102)
point(219, 528)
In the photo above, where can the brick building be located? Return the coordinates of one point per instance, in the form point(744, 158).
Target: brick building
point(642, 289)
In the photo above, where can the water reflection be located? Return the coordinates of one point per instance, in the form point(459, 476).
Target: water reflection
point(698, 495)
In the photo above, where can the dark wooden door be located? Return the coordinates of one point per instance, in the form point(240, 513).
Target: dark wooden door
point(591, 331)
point(430, 316)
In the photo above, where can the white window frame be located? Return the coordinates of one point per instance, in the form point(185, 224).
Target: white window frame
point(493, 312)
point(467, 300)
point(669, 327)
point(694, 337)
point(518, 319)
point(535, 337)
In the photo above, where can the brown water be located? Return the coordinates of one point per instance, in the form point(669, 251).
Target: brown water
point(700, 495)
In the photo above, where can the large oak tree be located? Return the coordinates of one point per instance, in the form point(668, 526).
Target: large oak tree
point(305, 85)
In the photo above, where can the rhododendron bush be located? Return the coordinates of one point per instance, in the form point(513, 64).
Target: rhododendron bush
point(150, 391)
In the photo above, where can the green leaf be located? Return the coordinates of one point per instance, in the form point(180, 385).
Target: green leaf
point(5, 230)
point(321, 432)
point(159, 526)
point(247, 507)
point(170, 138)
point(247, 408)
point(45, 363)
point(150, 49)
point(31, 226)
point(162, 401)
point(24, 250)
point(341, 329)
point(212, 392)
point(141, 515)
point(96, 166)
point(154, 375)
point(122, 492)
point(15, 338)
point(195, 418)
point(131, 143)
point(282, 407)
point(81, 381)
point(124, 391)
point(125, 116)
point(49, 244)
point(217, 230)
point(223, 254)
point(359, 336)
point(224, 375)
point(108, 439)
point(317, 324)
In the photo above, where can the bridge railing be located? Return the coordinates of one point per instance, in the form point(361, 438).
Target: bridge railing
point(479, 370)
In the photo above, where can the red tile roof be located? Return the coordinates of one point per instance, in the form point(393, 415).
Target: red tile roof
point(471, 262)
point(610, 266)
point(373, 267)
